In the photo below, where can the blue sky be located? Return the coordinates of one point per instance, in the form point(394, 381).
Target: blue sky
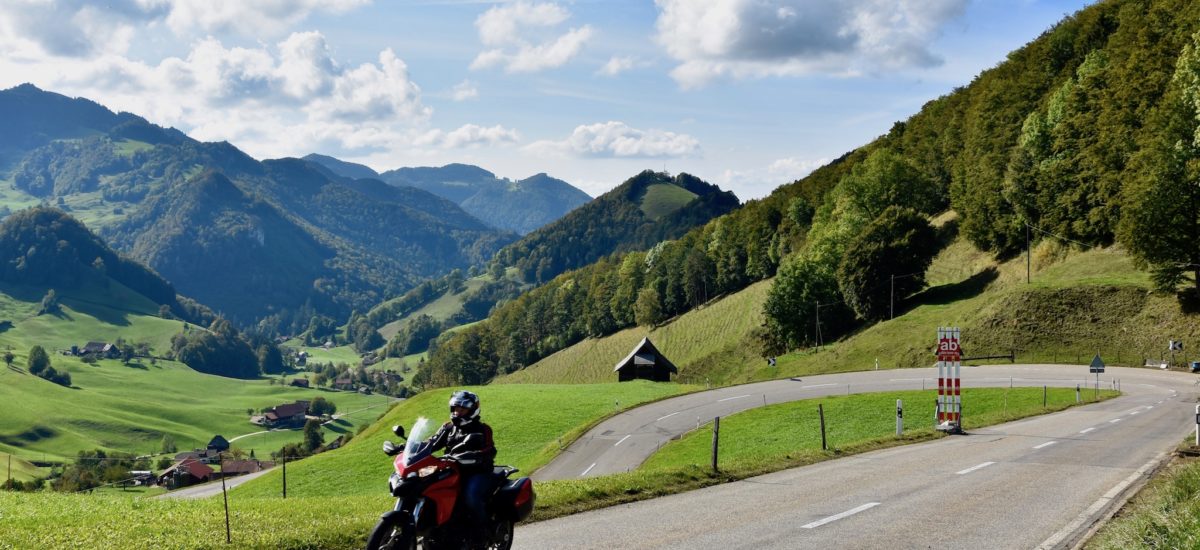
point(747, 94)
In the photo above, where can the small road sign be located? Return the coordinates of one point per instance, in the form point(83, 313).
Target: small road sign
point(1097, 365)
point(1174, 345)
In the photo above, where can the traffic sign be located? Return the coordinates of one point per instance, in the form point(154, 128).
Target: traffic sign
point(1097, 365)
point(1174, 345)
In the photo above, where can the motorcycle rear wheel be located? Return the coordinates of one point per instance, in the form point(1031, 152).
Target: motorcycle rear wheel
point(502, 536)
point(389, 535)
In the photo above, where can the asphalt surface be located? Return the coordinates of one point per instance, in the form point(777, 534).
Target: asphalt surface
point(1037, 483)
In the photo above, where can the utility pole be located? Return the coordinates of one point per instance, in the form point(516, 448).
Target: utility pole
point(1028, 261)
point(892, 299)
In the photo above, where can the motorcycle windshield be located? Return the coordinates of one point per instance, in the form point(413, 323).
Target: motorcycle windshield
point(417, 447)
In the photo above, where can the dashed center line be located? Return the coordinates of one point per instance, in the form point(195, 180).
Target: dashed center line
point(1114, 421)
point(732, 398)
point(667, 416)
point(622, 440)
point(585, 472)
point(1134, 412)
point(1086, 431)
point(842, 515)
point(1043, 445)
point(818, 386)
point(975, 467)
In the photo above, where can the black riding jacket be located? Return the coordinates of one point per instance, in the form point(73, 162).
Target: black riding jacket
point(483, 453)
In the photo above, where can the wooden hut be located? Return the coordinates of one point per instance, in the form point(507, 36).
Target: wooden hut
point(645, 362)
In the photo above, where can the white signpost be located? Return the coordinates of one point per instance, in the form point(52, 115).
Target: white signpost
point(949, 401)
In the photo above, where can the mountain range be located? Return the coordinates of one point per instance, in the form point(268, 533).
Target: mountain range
point(521, 206)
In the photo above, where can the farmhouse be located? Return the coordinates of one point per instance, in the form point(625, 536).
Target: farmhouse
point(288, 415)
point(300, 382)
point(218, 444)
point(343, 383)
point(182, 474)
point(97, 349)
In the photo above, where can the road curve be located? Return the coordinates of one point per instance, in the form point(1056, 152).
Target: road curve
point(1041, 482)
point(623, 442)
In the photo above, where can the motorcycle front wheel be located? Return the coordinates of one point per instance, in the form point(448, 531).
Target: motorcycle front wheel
point(389, 534)
point(502, 536)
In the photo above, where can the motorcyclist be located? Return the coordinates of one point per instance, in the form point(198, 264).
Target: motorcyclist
point(479, 454)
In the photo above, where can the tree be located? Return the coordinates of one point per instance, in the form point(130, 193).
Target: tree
point(899, 243)
point(1160, 221)
point(49, 303)
point(648, 310)
point(270, 360)
point(313, 436)
point(321, 407)
point(8, 358)
point(39, 361)
point(167, 445)
point(803, 290)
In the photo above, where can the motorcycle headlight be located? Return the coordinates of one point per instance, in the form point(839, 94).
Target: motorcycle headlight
point(426, 471)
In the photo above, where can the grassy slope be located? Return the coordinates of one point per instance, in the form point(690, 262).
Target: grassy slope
point(526, 436)
point(128, 408)
point(1079, 304)
point(661, 199)
point(1165, 514)
point(440, 309)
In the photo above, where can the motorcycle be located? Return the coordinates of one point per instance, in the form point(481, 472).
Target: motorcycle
point(426, 487)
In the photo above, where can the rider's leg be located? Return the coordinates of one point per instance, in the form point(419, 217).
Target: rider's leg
point(475, 492)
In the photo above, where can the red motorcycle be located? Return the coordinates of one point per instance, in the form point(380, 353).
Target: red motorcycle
point(426, 488)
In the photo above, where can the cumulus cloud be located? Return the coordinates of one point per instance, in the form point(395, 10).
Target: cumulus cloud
point(759, 182)
point(468, 135)
point(464, 90)
point(77, 28)
point(617, 65)
point(756, 38)
point(516, 37)
point(616, 139)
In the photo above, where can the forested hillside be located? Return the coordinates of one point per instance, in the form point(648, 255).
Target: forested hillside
point(642, 211)
point(1087, 134)
point(280, 241)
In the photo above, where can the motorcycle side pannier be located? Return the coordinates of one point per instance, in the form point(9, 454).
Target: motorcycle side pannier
point(518, 496)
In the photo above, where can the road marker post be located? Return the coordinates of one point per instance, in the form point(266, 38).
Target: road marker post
point(716, 437)
point(949, 403)
point(1198, 425)
point(900, 417)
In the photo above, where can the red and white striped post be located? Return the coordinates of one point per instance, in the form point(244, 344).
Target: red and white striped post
point(949, 401)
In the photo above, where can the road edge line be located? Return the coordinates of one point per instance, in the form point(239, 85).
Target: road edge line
point(1076, 533)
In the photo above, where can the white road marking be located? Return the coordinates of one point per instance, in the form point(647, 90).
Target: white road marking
point(588, 470)
point(901, 380)
point(1046, 444)
point(732, 398)
point(1114, 421)
point(622, 440)
point(668, 416)
point(842, 515)
point(1134, 412)
point(973, 468)
point(1089, 514)
point(818, 386)
point(1086, 431)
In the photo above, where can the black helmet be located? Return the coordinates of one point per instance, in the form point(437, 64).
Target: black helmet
point(467, 400)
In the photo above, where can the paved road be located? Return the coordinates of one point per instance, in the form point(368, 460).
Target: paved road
point(1037, 483)
point(623, 442)
point(211, 488)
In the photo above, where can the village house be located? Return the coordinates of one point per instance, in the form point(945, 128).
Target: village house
point(290, 415)
point(343, 382)
point(218, 444)
point(300, 382)
point(231, 468)
point(188, 472)
point(96, 349)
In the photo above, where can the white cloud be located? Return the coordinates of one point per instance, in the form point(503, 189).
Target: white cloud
point(757, 38)
point(464, 90)
point(759, 182)
point(468, 135)
point(616, 139)
point(617, 65)
point(517, 39)
point(77, 28)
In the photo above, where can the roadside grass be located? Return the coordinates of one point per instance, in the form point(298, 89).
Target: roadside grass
point(662, 199)
point(754, 439)
point(530, 422)
point(1164, 514)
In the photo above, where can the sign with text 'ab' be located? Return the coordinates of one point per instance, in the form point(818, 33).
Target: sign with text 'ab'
point(949, 364)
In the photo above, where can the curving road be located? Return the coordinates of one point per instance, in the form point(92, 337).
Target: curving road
point(1036, 483)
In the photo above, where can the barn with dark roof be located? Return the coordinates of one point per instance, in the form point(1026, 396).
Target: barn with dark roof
point(645, 362)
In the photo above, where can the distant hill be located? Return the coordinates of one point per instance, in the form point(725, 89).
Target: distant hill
point(521, 206)
point(645, 209)
point(311, 241)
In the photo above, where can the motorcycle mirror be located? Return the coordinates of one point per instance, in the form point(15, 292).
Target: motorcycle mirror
point(389, 448)
point(399, 431)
